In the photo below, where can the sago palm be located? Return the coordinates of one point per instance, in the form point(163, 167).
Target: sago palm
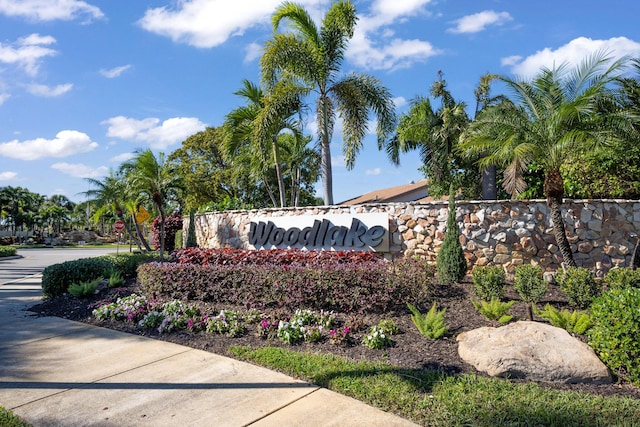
point(548, 118)
point(311, 58)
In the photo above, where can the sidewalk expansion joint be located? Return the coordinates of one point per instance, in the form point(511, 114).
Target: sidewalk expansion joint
point(283, 406)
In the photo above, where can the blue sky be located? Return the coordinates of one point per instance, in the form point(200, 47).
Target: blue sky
point(83, 84)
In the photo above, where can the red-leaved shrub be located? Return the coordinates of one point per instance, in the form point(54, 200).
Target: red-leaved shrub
point(348, 282)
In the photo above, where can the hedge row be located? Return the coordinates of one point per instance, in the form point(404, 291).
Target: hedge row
point(57, 278)
point(7, 251)
point(350, 287)
point(229, 256)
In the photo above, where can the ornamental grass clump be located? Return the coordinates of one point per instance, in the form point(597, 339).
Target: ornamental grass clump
point(530, 285)
point(84, 289)
point(431, 324)
point(574, 321)
point(495, 309)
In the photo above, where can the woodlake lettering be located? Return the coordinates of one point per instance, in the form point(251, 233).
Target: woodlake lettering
point(321, 234)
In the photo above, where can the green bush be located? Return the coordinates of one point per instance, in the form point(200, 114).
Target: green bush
point(579, 285)
point(450, 261)
point(489, 282)
point(495, 309)
point(620, 278)
point(430, 324)
point(7, 251)
point(57, 278)
point(615, 334)
point(84, 289)
point(530, 285)
point(191, 231)
point(577, 321)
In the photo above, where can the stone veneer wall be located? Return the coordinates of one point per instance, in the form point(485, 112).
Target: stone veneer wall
point(506, 233)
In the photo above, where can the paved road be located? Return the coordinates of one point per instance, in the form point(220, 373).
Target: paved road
point(33, 261)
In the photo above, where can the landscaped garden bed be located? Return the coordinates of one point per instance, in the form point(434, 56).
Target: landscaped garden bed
point(404, 361)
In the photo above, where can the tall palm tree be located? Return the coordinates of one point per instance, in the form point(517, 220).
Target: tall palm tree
point(435, 134)
point(550, 116)
point(155, 179)
point(311, 57)
point(243, 130)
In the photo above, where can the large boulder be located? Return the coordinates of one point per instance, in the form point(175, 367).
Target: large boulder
point(533, 351)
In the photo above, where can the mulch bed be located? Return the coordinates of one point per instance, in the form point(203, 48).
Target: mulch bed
point(410, 350)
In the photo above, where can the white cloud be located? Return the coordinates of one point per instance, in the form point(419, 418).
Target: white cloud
point(374, 46)
point(27, 52)
point(373, 172)
point(79, 170)
point(7, 175)
point(399, 101)
point(50, 10)
point(338, 161)
point(66, 143)
point(572, 53)
point(121, 158)
point(47, 91)
point(114, 72)
point(150, 131)
point(207, 23)
point(254, 51)
point(4, 97)
point(479, 21)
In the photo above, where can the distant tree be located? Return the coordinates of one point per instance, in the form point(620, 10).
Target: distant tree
point(435, 134)
point(149, 175)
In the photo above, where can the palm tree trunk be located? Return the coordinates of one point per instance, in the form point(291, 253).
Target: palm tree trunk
point(327, 179)
point(559, 231)
point(276, 159)
point(489, 191)
point(269, 192)
point(141, 237)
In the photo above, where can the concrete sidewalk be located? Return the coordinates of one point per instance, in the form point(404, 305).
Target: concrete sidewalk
point(56, 372)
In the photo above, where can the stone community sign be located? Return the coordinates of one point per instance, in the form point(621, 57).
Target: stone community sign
point(360, 232)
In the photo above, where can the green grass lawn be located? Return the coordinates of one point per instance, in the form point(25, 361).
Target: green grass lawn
point(7, 419)
point(434, 399)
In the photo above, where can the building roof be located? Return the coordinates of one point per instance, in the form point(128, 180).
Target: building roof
point(412, 192)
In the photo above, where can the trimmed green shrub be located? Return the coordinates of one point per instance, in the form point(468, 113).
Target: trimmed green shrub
point(450, 262)
point(489, 282)
point(57, 278)
point(615, 334)
point(577, 321)
point(579, 285)
point(7, 251)
point(191, 231)
point(620, 278)
point(530, 285)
